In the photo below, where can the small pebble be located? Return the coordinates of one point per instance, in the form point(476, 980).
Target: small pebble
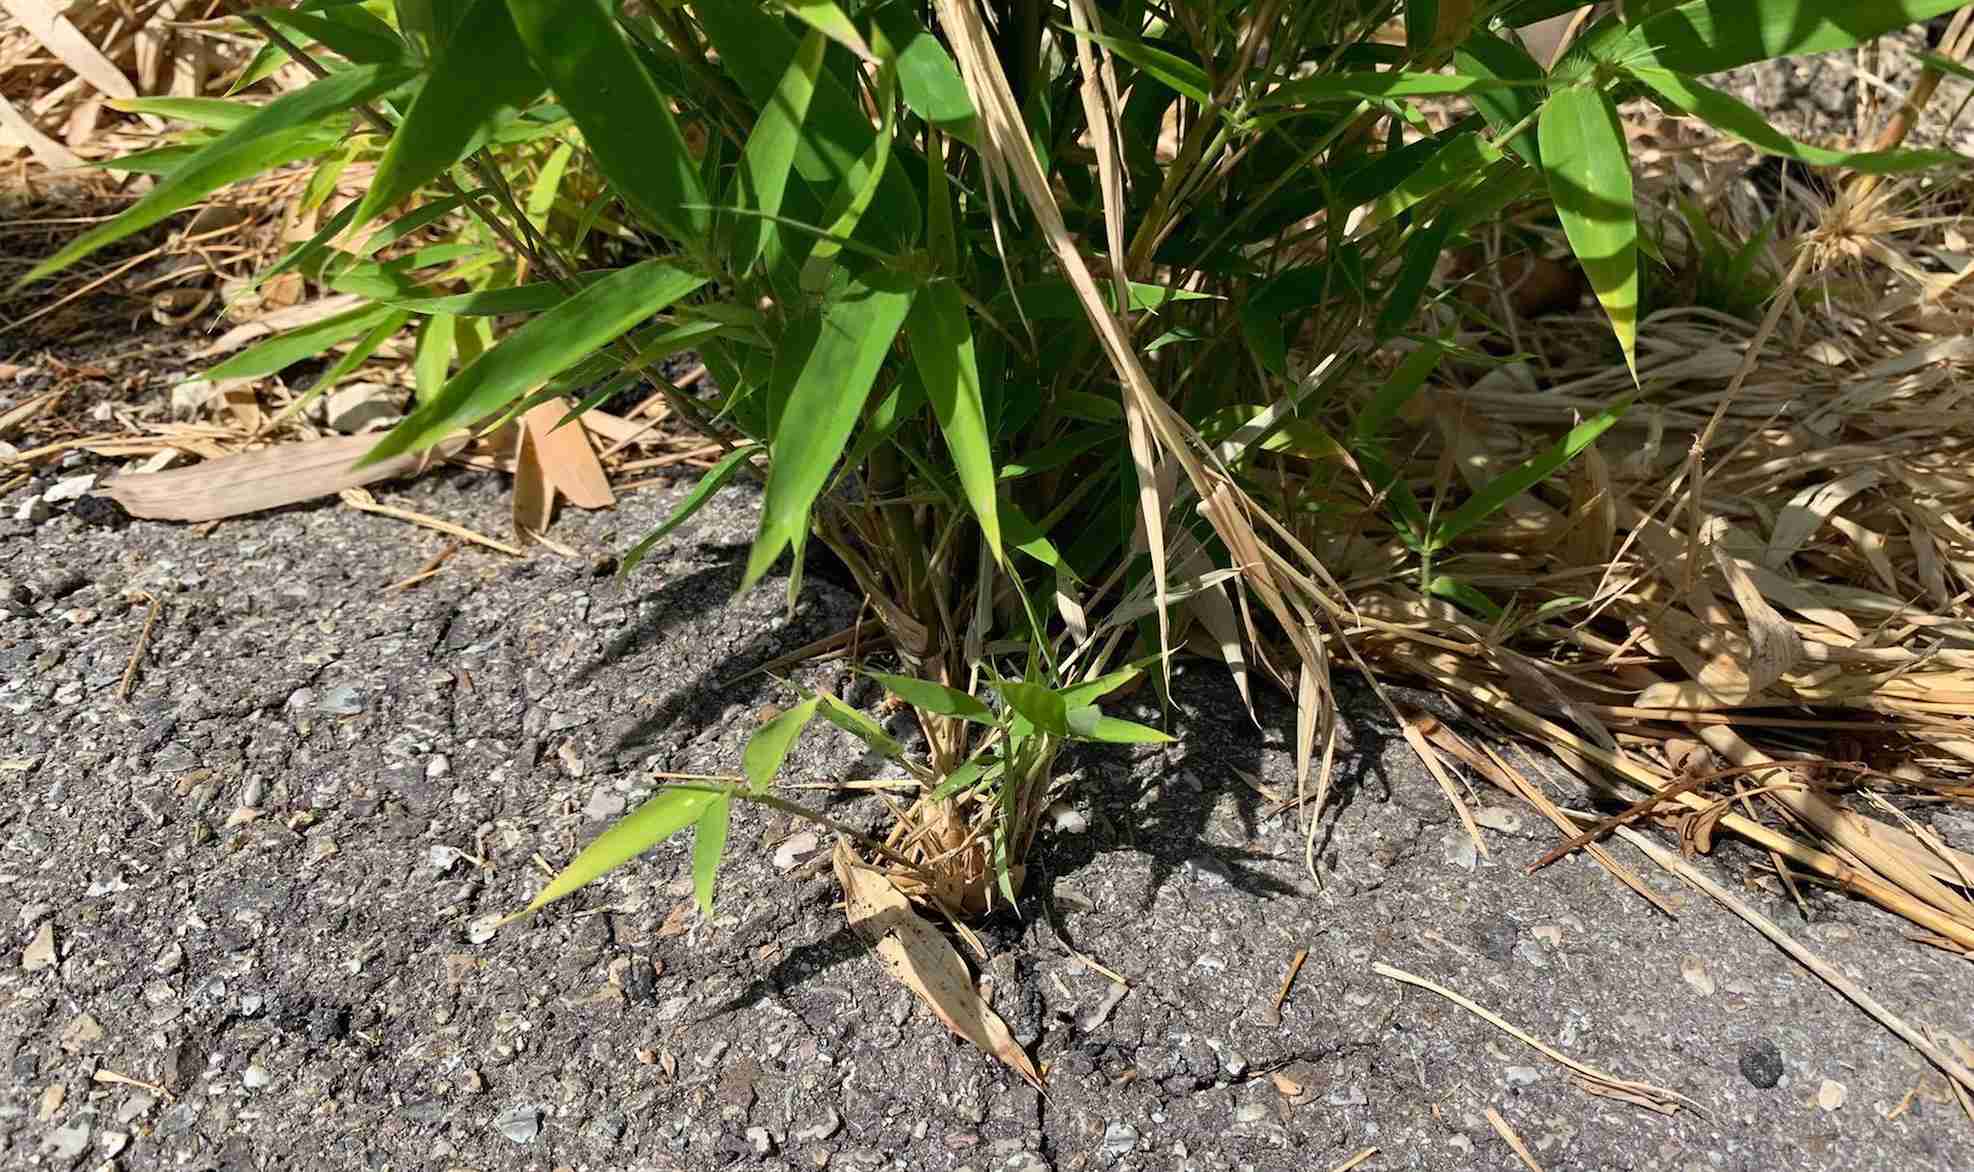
point(1067, 819)
point(340, 701)
point(1120, 1139)
point(1495, 937)
point(69, 488)
point(795, 849)
point(1693, 969)
point(1458, 849)
point(40, 952)
point(520, 1124)
point(68, 1143)
point(1761, 1063)
point(255, 1076)
point(1831, 1095)
point(822, 1129)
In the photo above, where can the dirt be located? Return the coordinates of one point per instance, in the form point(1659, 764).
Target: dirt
point(247, 909)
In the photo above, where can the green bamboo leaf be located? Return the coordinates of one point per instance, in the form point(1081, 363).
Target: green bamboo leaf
point(482, 75)
point(1087, 693)
point(1038, 705)
point(1947, 65)
point(165, 160)
point(942, 350)
point(1451, 588)
point(284, 350)
point(709, 842)
point(253, 146)
point(827, 397)
point(1024, 535)
point(541, 349)
point(825, 17)
point(1388, 400)
point(715, 478)
point(928, 696)
point(211, 113)
point(860, 726)
point(1463, 162)
point(964, 778)
point(1179, 74)
point(928, 79)
point(853, 201)
point(766, 161)
point(541, 200)
point(1589, 172)
point(1707, 36)
point(1394, 84)
point(1415, 273)
point(1730, 115)
point(349, 30)
point(422, 216)
point(1485, 55)
point(534, 297)
point(432, 360)
point(755, 50)
point(650, 824)
point(1087, 723)
point(1533, 471)
point(346, 363)
point(626, 120)
point(769, 745)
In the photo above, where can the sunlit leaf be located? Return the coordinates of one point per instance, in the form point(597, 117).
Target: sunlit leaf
point(709, 843)
point(627, 123)
point(827, 396)
point(1087, 723)
point(1533, 471)
point(481, 74)
point(942, 350)
point(769, 157)
point(284, 350)
point(650, 824)
point(769, 745)
point(540, 349)
point(1041, 707)
point(927, 696)
point(1729, 114)
point(860, 726)
point(1707, 36)
point(1589, 172)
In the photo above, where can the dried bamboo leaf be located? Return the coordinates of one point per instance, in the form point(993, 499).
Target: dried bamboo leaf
point(51, 154)
point(1809, 510)
point(46, 24)
point(566, 456)
point(531, 502)
point(252, 482)
point(1774, 646)
point(921, 958)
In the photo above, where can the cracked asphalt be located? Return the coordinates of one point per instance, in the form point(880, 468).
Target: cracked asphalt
point(249, 908)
